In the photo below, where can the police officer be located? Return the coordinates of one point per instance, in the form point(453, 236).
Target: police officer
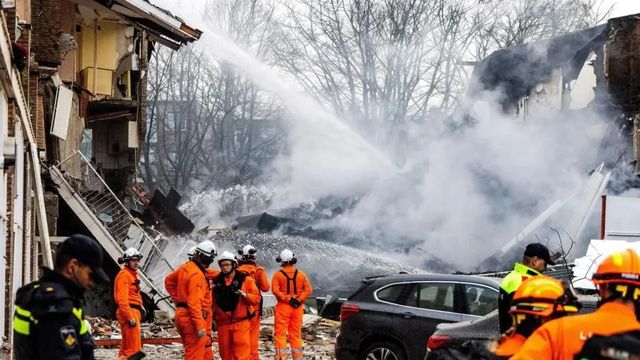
point(534, 261)
point(48, 321)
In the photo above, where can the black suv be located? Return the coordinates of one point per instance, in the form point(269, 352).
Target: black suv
point(391, 317)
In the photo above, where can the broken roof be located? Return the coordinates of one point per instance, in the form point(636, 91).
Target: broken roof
point(162, 25)
point(520, 68)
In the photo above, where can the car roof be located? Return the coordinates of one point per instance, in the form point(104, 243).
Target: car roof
point(388, 279)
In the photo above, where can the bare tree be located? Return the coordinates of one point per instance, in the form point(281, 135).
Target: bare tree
point(381, 64)
point(385, 63)
point(208, 126)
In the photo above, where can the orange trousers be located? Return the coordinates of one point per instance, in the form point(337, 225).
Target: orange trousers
point(255, 337)
point(288, 319)
point(208, 349)
point(131, 338)
point(194, 347)
point(234, 340)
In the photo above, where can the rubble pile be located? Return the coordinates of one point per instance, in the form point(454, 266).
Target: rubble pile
point(109, 329)
point(319, 337)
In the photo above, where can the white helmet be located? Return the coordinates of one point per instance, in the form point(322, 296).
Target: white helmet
point(191, 252)
point(227, 255)
point(130, 254)
point(286, 256)
point(248, 251)
point(206, 248)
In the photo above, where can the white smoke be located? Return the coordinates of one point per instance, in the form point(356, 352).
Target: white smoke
point(459, 195)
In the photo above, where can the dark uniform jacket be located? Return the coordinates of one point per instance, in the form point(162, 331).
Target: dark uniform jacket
point(48, 321)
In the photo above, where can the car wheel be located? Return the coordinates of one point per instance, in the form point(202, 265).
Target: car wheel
point(383, 351)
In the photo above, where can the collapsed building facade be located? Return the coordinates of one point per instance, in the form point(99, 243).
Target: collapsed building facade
point(592, 71)
point(72, 116)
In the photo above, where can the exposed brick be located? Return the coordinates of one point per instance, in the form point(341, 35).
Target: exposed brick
point(45, 19)
point(12, 112)
point(39, 126)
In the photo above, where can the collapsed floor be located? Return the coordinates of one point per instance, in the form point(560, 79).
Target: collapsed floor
point(318, 334)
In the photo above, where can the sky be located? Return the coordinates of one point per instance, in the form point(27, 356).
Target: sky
point(623, 7)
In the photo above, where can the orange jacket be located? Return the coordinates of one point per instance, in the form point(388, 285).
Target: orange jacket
point(258, 274)
point(192, 289)
point(244, 308)
point(300, 288)
point(126, 290)
point(562, 338)
point(171, 283)
point(510, 345)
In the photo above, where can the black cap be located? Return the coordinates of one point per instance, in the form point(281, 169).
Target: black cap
point(539, 250)
point(87, 251)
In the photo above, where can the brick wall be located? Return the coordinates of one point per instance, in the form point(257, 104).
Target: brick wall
point(47, 28)
point(36, 103)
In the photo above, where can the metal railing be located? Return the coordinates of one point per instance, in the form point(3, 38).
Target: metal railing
point(106, 206)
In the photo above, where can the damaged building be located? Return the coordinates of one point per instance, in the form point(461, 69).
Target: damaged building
point(73, 113)
point(588, 71)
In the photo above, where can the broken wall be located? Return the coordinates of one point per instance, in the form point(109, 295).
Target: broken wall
point(622, 62)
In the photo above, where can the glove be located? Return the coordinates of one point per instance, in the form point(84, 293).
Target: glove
point(201, 333)
point(132, 322)
point(241, 293)
point(295, 302)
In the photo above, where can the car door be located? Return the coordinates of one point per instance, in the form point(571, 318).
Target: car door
point(477, 300)
point(426, 305)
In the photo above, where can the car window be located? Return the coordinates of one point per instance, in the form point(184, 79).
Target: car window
point(391, 293)
point(480, 300)
point(432, 296)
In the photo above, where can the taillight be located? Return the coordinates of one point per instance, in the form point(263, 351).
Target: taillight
point(348, 311)
point(437, 341)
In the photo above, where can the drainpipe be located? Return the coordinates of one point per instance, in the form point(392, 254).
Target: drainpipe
point(603, 216)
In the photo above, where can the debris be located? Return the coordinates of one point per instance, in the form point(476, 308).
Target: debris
point(161, 317)
point(319, 335)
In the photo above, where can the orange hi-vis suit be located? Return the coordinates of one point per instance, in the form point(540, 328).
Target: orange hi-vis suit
point(288, 283)
point(233, 314)
point(171, 283)
point(188, 287)
point(259, 275)
point(207, 304)
point(562, 338)
point(510, 345)
point(126, 293)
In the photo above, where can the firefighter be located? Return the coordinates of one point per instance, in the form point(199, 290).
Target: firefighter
point(291, 288)
point(618, 283)
point(171, 280)
point(48, 321)
point(235, 295)
point(539, 299)
point(126, 293)
point(249, 266)
point(210, 274)
point(190, 295)
point(534, 261)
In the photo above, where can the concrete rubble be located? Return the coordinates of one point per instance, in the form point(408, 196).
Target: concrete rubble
point(319, 337)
